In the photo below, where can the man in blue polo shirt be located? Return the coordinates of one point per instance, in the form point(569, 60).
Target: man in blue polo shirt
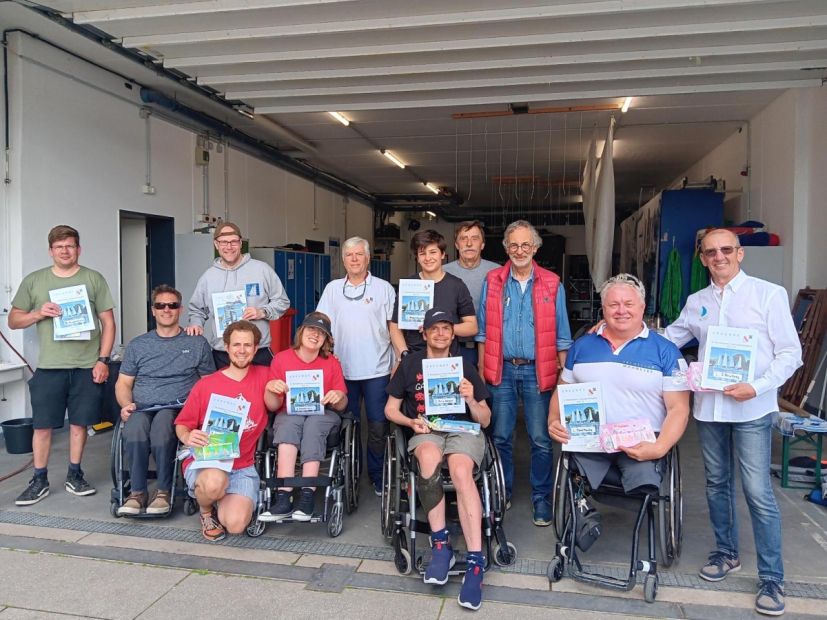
point(639, 375)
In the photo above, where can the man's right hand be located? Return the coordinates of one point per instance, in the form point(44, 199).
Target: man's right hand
point(419, 426)
point(557, 431)
point(197, 438)
point(593, 329)
point(194, 330)
point(127, 411)
point(50, 310)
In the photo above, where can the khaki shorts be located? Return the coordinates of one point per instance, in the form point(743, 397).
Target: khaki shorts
point(452, 443)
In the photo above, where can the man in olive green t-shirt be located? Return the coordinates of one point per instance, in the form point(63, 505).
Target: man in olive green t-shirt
point(65, 302)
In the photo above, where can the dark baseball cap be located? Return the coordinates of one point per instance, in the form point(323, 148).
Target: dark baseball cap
point(435, 315)
point(319, 321)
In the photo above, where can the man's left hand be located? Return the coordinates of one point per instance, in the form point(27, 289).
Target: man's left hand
point(740, 391)
point(644, 451)
point(252, 314)
point(100, 372)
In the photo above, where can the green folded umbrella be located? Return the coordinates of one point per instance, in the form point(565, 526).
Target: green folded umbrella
point(670, 295)
point(699, 277)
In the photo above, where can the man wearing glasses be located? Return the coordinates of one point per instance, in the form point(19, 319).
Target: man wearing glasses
point(523, 338)
point(72, 367)
point(360, 307)
point(158, 371)
point(264, 297)
point(736, 425)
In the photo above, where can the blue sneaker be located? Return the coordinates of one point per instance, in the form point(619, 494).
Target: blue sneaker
point(542, 512)
point(442, 559)
point(470, 595)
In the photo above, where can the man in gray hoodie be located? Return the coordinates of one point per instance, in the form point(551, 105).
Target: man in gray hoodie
point(235, 284)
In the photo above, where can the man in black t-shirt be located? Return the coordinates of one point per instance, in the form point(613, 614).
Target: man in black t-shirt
point(464, 451)
point(450, 294)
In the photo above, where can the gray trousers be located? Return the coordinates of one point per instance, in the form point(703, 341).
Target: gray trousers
point(154, 432)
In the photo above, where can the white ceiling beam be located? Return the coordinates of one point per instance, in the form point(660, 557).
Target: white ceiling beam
point(647, 32)
point(514, 63)
point(560, 96)
point(407, 22)
point(174, 9)
point(602, 76)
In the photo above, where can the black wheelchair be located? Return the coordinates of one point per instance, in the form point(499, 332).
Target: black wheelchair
point(398, 516)
point(340, 484)
point(122, 486)
point(662, 510)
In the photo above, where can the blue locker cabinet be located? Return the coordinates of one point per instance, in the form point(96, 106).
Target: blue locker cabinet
point(381, 269)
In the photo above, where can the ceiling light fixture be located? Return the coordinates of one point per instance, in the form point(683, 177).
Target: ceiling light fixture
point(626, 103)
point(432, 187)
point(245, 110)
point(431, 213)
point(393, 158)
point(340, 117)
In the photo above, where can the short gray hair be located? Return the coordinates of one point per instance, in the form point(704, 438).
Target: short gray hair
point(537, 240)
point(624, 279)
point(353, 242)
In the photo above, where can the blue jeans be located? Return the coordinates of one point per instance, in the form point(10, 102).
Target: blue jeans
point(373, 392)
point(748, 442)
point(521, 382)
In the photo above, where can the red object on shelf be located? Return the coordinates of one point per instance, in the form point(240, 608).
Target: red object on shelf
point(281, 331)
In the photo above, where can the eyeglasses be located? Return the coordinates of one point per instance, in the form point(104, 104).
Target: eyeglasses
point(61, 248)
point(170, 305)
point(525, 247)
point(726, 250)
point(364, 286)
point(229, 244)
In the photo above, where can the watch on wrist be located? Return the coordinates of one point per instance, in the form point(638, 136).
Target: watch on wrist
point(104, 359)
point(403, 354)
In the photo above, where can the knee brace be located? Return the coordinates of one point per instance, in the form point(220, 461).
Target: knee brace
point(430, 490)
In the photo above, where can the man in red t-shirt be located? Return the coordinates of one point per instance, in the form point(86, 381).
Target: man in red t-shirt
point(227, 499)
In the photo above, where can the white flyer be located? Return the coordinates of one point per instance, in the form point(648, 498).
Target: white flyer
point(441, 378)
point(75, 310)
point(305, 393)
point(416, 297)
point(75, 336)
point(224, 423)
point(728, 357)
point(227, 308)
point(583, 414)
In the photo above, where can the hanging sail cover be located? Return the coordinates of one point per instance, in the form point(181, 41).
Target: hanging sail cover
point(599, 209)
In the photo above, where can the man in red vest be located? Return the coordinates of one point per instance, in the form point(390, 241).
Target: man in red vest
point(523, 338)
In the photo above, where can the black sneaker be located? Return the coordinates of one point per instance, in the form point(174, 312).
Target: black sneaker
point(38, 489)
point(304, 507)
point(77, 485)
point(282, 507)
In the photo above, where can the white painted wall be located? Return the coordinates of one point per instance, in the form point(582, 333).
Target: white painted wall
point(78, 157)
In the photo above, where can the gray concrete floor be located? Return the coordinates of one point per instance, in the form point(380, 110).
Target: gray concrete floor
point(805, 526)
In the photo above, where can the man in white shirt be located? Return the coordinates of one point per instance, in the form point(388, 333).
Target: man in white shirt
point(360, 306)
point(736, 425)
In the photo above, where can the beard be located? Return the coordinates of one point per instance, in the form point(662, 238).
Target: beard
point(240, 365)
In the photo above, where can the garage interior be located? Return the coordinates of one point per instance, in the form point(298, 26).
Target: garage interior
point(311, 121)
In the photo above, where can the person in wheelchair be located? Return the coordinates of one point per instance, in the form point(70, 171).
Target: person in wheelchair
point(158, 368)
point(311, 350)
point(640, 378)
point(464, 451)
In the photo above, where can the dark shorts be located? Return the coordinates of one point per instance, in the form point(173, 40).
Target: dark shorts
point(634, 475)
point(54, 391)
point(263, 357)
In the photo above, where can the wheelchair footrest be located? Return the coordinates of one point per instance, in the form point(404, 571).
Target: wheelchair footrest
point(266, 517)
point(298, 481)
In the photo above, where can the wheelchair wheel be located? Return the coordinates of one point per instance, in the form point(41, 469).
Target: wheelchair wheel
point(336, 522)
point(113, 509)
point(670, 514)
point(390, 489)
point(498, 492)
point(560, 499)
point(401, 556)
point(554, 572)
point(350, 466)
point(650, 588)
point(505, 556)
point(256, 528)
point(190, 506)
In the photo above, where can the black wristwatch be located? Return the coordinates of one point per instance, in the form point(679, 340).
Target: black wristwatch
point(105, 359)
point(403, 354)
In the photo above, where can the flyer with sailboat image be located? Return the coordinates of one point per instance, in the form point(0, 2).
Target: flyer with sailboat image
point(729, 357)
point(224, 423)
point(583, 414)
point(305, 392)
point(416, 297)
point(228, 307)
point(75, 311)
point(441, 378)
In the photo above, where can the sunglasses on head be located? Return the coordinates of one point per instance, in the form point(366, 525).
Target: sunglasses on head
point(171, 305)
point(726, 250)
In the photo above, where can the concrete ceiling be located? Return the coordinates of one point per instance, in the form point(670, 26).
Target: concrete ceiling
point(401, 70)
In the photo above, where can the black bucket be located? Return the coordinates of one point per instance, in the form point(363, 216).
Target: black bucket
point(18, 434)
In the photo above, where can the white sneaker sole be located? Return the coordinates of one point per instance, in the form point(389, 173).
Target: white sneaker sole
point(302, 517)
point(716, 579)
point(436, 582)
point(80, 493)
point(29, 502)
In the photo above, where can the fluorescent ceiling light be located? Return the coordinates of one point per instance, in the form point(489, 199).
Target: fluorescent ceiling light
point(431, 213)
point(245, 110)
point(432, 187)
point(626, 103)
point(340, 117)
point(392, 157)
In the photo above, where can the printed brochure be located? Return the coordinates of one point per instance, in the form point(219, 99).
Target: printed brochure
point(227, 308)
point(729, 357)
point(625, 434)
point(224, 423)
point(583, 415)
point(305, 393)
point(441, 378)
point(416, 297)
point(75, 311)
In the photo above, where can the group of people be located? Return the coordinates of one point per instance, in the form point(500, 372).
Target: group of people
point(509, 324)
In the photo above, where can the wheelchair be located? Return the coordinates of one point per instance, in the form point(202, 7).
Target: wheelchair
point(121, 482)
point(398, 516)
point(340, 484)
point(662, 511)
